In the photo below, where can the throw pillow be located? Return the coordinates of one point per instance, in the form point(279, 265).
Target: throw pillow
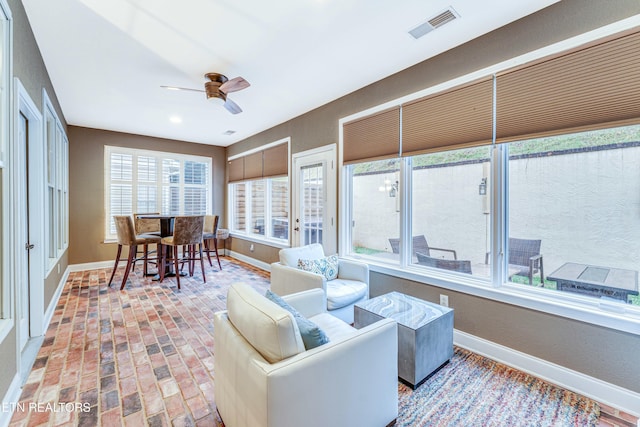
point(312, 335)
point(327, 266)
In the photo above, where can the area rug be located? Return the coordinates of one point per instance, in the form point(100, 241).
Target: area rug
point(475, 391)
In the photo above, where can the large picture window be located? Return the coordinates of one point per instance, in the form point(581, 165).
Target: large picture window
point(140, 181)
point(521, 185)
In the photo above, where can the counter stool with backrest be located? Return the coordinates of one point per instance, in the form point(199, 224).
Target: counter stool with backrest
point(210, 234)
point(146, 227)
point(187, 231)
point(127, 237)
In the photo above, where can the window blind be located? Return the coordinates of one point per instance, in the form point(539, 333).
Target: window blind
point(373, 137)
point(267, 163)
point(456, 118)
point(594, 86)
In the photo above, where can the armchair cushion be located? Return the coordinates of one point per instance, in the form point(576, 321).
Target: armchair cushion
point(269, 328)
point(312, 335)
point(327, 266)
point(342, 292)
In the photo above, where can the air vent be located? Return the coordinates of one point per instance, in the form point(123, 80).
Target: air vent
point(431, 24)
point(229, 132)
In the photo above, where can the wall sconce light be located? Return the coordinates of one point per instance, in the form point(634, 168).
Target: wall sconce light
point(390, 188)
point(482, 188)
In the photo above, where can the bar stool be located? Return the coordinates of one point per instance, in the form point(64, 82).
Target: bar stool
point(127, 237)
point(210, 233)
point(187, 231)
point(146, 227)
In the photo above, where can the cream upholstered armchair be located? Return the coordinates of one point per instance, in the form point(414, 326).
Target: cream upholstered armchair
point(266, 378)
point(349, 284)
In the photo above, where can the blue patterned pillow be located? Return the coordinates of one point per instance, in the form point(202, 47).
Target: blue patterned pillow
point(328, 266)
point(312, 335)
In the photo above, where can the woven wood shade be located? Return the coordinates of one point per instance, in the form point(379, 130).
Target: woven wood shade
point(594, 87)
point(460, 117)
point(253, 166)
point(372, 137)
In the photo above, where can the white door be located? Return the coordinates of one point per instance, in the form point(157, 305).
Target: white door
point(314, 207)
point(23, 275)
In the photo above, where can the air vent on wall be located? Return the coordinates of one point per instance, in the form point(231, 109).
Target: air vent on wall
point(431, 24)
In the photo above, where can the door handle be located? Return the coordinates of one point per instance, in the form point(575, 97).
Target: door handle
point(297, 228)
point(28, 246)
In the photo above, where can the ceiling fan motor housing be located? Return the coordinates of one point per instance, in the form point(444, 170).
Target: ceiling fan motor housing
point(212, 87)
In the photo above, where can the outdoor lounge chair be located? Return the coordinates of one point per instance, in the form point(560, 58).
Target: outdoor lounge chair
point(525, 257)
point(420, 245)
point(463, 266)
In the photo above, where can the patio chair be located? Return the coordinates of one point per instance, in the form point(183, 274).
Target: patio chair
point(462, 266)
point(525, 257)
point(420, 245)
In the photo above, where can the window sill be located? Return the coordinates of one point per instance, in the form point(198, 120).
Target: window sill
point(621, 317)
point(262, 240)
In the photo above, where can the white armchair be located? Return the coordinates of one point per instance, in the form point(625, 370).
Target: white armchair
point(265, 378)
point(351, 286)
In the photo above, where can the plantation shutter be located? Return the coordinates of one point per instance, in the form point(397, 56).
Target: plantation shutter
point(121, 187)
point(373, 137)
point(459, 117)
point(594, 86)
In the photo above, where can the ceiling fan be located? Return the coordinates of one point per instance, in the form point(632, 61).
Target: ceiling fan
point(217, 89)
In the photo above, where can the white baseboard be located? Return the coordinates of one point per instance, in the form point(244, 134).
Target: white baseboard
point(10, 400)
point(90, 266)
point(598, 390)
point(252, 261)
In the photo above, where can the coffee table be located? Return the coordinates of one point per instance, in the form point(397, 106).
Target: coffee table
point(425, 332)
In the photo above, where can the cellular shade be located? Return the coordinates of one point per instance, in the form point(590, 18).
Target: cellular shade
point(236, 169)
point(275, 161)
point(586, 88)
point(373, 137)
point(270, 162)
point(456, 118)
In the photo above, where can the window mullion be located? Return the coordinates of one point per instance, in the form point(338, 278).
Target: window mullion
point(499, 207)
point(405, 211)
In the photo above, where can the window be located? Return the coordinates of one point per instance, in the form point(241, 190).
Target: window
point(6, 56)
point(259, 208)
point(259, 193)
point(150, 181)
point(57, 187)
point(579, 195)
point(521, 185)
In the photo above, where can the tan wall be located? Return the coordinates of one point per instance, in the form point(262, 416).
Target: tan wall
point(599, 352)
point(86, 185)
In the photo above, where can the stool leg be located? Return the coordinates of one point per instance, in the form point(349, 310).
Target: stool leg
point(175, 263)
point(204, 276)
point(215, 247)
point(115, 266)
point(207, 249)
point(133, 250)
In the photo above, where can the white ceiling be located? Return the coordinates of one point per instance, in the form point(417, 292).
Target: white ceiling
point(108, 58)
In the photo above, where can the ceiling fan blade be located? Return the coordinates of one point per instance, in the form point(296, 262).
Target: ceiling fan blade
point(234, 85)
point(232, 107)
point(181, 88)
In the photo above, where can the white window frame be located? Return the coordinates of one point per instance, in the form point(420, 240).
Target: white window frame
point(623, 317)
point(6, 71)
point(160, 156)
point(57, 216)
point(246, 233)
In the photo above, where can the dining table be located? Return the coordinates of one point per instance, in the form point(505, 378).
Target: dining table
point(166, 230)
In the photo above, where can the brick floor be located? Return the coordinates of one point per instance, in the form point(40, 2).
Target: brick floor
point(141, 356)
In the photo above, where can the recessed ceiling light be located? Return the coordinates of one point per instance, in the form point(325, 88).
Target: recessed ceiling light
point(175, 119)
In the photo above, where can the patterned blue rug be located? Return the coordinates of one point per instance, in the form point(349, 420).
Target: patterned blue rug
point(472, 390)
